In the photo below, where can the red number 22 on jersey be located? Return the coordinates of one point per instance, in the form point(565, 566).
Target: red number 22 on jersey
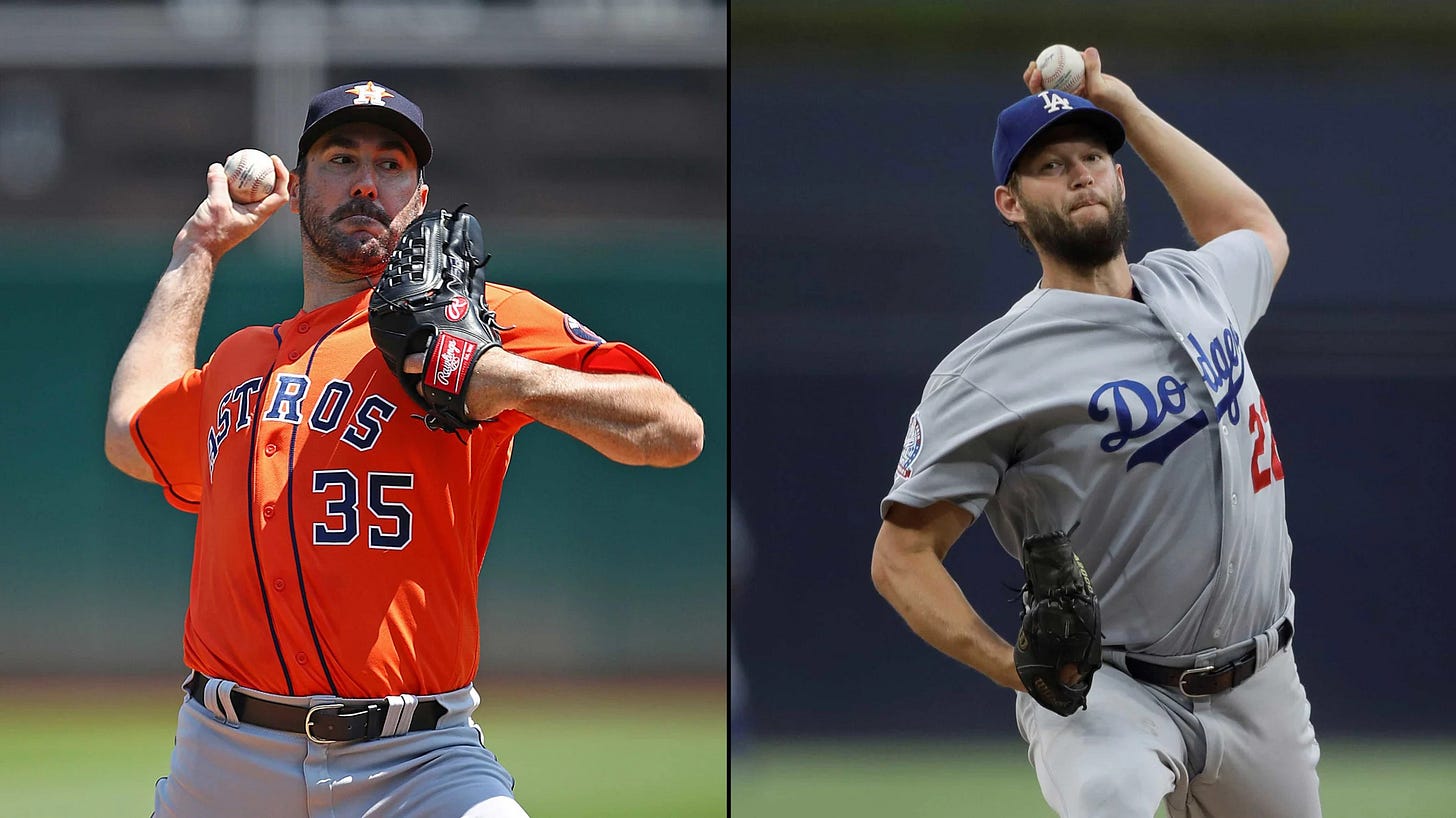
point(1259, 425)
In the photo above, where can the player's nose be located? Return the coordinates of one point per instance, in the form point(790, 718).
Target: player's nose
point(365, 185)
point(1081, 175)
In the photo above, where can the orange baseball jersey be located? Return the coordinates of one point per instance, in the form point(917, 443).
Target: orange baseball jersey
point(339, 540)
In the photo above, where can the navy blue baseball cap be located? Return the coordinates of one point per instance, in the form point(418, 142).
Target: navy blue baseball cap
point(1022, 122)
point(366, 102)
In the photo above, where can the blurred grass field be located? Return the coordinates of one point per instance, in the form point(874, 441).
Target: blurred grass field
point(1359, 778)
point(608, 750)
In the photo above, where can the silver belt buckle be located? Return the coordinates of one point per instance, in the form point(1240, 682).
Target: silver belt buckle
point(308, 722)
point(1183, 677)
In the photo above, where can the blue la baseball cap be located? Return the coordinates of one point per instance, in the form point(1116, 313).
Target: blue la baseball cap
point(1023, 121)
point(366, 102)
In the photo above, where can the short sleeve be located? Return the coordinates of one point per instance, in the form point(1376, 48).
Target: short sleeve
point(1241, 266)
point(960, 441)
point(167, 431)
point(541, 332)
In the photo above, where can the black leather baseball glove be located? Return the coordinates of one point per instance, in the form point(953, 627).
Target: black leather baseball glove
point(1059, 644)
point(431, 299)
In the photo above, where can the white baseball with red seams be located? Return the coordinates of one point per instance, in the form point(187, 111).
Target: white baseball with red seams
point(1062, 68)
point(250, 175)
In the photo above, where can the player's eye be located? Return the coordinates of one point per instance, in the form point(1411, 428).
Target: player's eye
point(341, 159)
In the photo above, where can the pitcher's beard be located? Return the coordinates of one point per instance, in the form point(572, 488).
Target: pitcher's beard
point(356, 253)
point(1081, 247)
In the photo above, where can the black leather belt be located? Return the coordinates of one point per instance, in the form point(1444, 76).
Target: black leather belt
point(1205, 681)
point(325, 723)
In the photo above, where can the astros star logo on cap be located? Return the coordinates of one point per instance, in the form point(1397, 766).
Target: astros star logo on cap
point(365, 102)
point(370, 94)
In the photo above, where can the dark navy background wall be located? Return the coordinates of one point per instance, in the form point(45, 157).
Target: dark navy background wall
point(864, 246)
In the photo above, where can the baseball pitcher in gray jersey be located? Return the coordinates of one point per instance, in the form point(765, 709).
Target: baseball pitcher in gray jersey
point(1115, 401)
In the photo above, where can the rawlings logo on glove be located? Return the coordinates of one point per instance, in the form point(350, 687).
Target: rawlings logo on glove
point(431, 300)
point(455, 350)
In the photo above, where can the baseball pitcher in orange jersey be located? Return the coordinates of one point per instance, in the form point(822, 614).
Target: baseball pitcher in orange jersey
point(331, 628)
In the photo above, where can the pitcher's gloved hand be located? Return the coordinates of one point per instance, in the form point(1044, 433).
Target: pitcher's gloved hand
point(431, 300)
point(1059, 645)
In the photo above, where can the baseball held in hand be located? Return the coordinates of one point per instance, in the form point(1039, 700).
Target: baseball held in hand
point(250, 175)
point(1062, 68)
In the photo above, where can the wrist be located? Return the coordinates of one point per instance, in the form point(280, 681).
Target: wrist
point(188, 250)
point(525, 381)
point(1133, 114)
point(502, 380)
point(1008, 676)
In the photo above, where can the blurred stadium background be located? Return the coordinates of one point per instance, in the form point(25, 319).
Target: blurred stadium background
point(590, 138)
point(864, 246)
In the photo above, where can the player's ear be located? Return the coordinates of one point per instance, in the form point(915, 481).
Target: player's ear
point(424, 195)
point(1009, 204)
point(293, 182)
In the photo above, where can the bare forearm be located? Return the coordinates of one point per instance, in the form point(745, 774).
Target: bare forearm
point(931, 603)
point(1211, 198)
point(163, 347)
point(631, 419)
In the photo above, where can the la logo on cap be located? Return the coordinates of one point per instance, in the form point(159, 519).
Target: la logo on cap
point(369, 94)
point(1054, 102)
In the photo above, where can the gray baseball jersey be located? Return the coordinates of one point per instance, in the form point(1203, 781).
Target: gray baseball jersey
point(1142, 421)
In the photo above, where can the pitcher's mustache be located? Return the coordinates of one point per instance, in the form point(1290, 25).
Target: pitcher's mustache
point(361, 207)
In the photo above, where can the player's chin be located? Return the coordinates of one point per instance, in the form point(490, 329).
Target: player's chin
point(364, 262)
point(372, 264)
point(368, 251)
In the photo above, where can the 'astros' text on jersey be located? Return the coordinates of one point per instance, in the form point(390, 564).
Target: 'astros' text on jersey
point(339, 540)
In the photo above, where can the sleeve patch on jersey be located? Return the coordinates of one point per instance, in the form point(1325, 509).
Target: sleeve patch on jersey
point(912, 446)
point(575, 329)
